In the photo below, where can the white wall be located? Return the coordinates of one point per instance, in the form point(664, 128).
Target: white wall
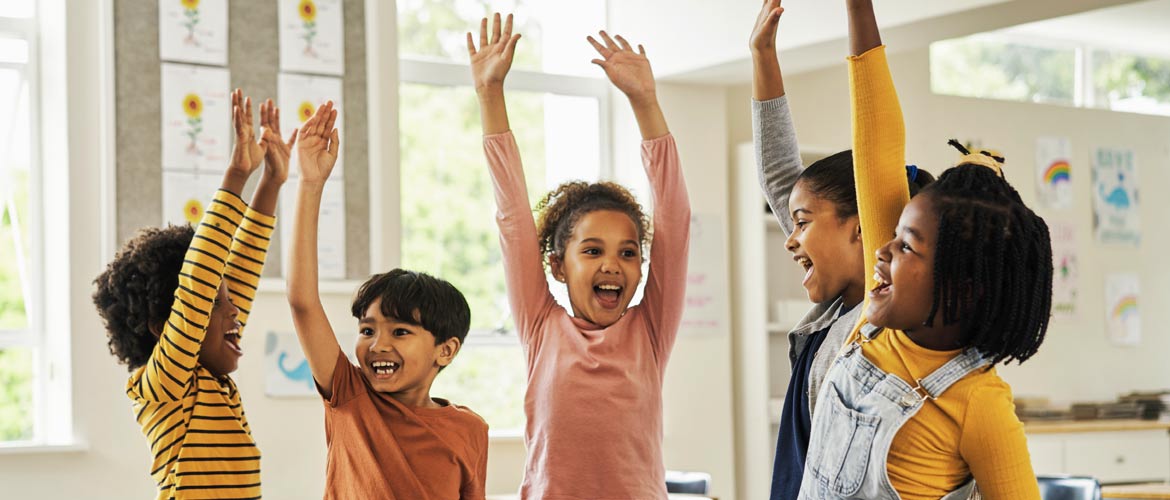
point(1076, 361)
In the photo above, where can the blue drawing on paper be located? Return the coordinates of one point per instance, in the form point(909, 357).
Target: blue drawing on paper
point(299, 374)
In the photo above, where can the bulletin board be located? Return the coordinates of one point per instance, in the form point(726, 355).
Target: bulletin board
point(253, 62)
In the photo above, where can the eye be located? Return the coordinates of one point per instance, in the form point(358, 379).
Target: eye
point(401, 332)
point(629, 253)
point(592, 251)
point(905, 247)
point(801, 223)
point(366, 331)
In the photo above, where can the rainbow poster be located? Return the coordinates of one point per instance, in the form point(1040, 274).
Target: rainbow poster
point(1054, 172)
point(1115, 196)
point(1066, 271)
point(1123, 319)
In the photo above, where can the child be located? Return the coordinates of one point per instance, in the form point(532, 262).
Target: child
point(917, 411)
point(387, 437)
point(175, 301)
point(817, 209)
point(594, 399)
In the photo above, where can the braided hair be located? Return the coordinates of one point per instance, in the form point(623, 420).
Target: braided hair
point(992, 265)
point(561, 209)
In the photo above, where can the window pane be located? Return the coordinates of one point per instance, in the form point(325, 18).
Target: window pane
point(13, 51)
point(553, 32)
point(975, 67)
point(17, 8)
point(16, 394)
point(490, 380)
point(1127, 82)
point(14, 210)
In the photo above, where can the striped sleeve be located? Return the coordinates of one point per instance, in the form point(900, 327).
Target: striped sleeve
point(246, 260)
point(168, 373)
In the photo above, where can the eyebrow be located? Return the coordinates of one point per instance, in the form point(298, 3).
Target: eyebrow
point(600, 241)
point(802, 209)
point(912, 232)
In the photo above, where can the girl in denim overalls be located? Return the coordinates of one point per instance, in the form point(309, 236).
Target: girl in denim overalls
point(912, 408)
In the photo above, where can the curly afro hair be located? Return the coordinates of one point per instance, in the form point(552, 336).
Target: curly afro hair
point(563, 207)
point(137, 289)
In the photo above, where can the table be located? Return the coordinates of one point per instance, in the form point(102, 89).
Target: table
point(1137, 491)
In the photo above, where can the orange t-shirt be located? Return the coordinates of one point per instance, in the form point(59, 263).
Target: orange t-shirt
point(381, 449)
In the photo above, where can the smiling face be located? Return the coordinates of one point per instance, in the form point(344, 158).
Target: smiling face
point(400, 358)
point(827, 247)
point(905, 270)
point(601, 267)
point(220, 352)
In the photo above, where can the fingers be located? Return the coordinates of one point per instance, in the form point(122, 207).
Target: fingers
point(495, 28)
point(624, 44)
point(292, 140)
point(601, 49)
point(470, 45)
point(609, 41)
point(599, 62)
point(265, 114)
point(483, 39)
point(275, 118)
point(332, 118)
point(510, 48)
point(237, 120)
point(507, 36)
point(641, 49)
point(334, 142)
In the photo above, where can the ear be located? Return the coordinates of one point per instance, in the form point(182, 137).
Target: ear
point(447, 351)
point(856, 230)
point(156, 329)
point(557, 266)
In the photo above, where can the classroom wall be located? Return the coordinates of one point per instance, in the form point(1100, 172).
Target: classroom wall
point(1076, 361)
point(111, 459)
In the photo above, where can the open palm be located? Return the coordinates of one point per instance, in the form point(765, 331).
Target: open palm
point(628, 70)
point(277, 151)
point(492, 61)
point(317, 145)
point(248, 151)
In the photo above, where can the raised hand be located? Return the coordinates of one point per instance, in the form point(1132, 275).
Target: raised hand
point(628, 70)
point(317, 145)
point(491, 62)
point(276, 151)
point(248, 151)
point(763, 37)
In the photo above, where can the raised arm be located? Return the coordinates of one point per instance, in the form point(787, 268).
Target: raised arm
point(528, 293)
point(168, 373)
point(630, 72)
point(250, 245)
point(317, 153)
point(777, 154)
point(879, 135)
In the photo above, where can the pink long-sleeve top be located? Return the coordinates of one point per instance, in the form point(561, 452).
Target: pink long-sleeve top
point(594, 398)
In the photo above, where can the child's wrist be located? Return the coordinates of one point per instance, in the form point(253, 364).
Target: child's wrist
point(489, 90)
point(643, 99)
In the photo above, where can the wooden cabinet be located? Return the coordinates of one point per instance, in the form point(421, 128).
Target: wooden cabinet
point(1112, 452)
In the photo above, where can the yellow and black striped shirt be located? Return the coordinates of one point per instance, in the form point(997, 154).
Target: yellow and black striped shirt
point(194, 422)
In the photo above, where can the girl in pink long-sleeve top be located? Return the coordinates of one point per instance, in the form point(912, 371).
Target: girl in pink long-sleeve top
point(594, 399)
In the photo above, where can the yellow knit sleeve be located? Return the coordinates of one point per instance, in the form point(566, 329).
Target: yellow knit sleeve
point(995, 448)
point(246, 261)
point(879, 152)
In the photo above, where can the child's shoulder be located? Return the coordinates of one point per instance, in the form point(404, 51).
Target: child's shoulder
point(464, 415)
point(984, 388)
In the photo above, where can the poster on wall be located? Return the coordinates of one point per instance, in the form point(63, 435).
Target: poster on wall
point(185, 195)
point(330, 230)
point(1115, 196)
point(196, 118)
point(1066, 272)
point(298, 97)
point(286, 371)
point(194, 31)
point(311, 37)
point(706, 309)
point(1053, 173)
point(1122, 314)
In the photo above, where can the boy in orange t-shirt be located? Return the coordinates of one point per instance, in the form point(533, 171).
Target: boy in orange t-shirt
point(387, 437)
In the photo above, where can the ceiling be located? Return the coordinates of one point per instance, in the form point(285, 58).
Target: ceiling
point(704, 41)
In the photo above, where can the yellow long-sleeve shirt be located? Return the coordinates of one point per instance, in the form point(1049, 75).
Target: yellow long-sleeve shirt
point(972, 429)
point(195, 422)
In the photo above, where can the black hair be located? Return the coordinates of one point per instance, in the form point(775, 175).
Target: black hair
point(563, 207)
point(137, 290)
point(419, 299)
point(831, 178)
point(992, 263)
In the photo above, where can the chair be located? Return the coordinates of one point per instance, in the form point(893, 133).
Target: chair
point(1069, 488)
point(687, 482)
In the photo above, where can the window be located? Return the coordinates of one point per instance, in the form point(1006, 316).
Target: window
point(21, 325)
point(448, 207)
point(996, 66)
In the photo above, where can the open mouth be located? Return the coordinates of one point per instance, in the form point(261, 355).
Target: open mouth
point(608, 295)
point(231, 339)
point(384, 369)
point(807, 264)
point(883, 285)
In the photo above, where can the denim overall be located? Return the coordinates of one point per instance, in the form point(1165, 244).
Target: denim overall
point(860, 410)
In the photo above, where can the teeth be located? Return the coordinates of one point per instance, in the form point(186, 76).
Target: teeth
point(384, 366)
point(609, 287)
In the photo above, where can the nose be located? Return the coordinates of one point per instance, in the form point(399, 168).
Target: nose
point(791, 243)
point(883, 252)
point(609, 265)
point(381, 343)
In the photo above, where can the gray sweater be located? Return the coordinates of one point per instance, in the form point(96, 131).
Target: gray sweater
point(778, 164)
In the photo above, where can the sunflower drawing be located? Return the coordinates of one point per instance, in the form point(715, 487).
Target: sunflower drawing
point(191, 13)
point(193, 211)
point(305, 111)
point(308, 12)
point(193, 107)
